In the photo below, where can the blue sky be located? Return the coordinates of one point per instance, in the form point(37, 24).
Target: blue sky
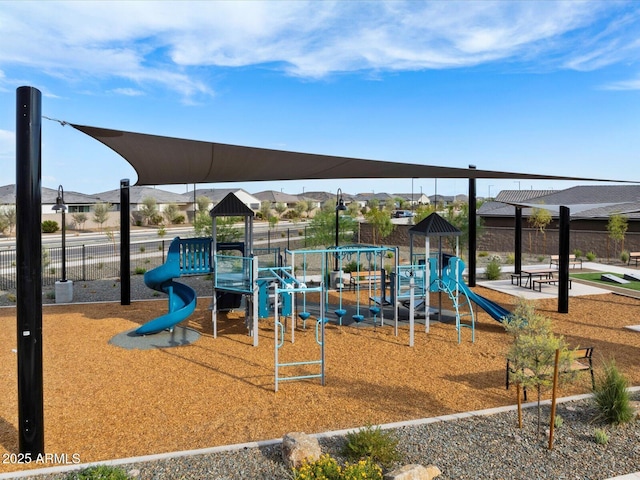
point(536, 87)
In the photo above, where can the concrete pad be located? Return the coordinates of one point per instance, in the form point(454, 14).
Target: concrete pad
point(180, 336)
point(549, 291)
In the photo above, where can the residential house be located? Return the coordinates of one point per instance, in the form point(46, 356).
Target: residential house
point(215, 195)
point(412, 198)
point(590, 206)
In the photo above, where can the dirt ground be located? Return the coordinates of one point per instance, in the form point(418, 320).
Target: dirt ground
point(104, 402)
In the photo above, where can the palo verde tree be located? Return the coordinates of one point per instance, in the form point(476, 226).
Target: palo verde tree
point(79, 218)
point(322, 228)
point(280, 208)
point(8, 219)
point(617, 228)
point(533, 349)
point(380, 221)
point(265, 209)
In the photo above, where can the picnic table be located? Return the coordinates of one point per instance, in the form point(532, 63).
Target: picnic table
point(525, 277)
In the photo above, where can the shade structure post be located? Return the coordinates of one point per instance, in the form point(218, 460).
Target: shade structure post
point(472, 229)
point(563, 261)
point(29, 271)
point(518, 241)
point(125, 243)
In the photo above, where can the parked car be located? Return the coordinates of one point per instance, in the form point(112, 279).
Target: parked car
point(403, 214)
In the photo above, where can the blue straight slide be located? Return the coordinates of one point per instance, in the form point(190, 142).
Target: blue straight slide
point(496, 311)
point(182, 298)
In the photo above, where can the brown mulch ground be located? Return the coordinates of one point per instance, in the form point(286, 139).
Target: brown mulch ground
point(104, 402)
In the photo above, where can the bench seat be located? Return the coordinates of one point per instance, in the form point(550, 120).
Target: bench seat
point(581, 361)
point(634, 256)
point(551, 281)
point(573, 261)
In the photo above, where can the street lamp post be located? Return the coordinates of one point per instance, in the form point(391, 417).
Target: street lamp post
point(64, 288)
point(339, 206)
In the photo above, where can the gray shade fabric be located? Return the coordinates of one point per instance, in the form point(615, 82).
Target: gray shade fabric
point(162, 160)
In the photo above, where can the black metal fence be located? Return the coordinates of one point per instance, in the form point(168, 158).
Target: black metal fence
point(102, 261)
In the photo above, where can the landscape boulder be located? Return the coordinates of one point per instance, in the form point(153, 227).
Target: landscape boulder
point(413, 472)
point(298, 447)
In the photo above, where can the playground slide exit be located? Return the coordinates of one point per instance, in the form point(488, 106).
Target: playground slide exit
point(182, 298)
point(496, 311)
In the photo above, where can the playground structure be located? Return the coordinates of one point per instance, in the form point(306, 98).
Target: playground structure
point(277, 289)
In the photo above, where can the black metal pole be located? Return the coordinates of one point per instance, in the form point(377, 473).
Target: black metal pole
point(64, 245)
point(518, 240)
point(29, 271)
point(125, 244)
point(337, 237)
point(563, 260)
point(473, 240)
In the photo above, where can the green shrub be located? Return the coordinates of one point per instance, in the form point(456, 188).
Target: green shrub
point(50, 226)
point(624, 256)
point(178, 220)
point(371, 443)
point(541, 258)
point(325, 467)
point(483, 254)
point(140, 270)
point(591, 256)
point(352, 266)
point(612, 397)
point(558, 421)
point(577, 252)
point(493, 270)
point(600, 436)
point(511, 258)
point(142, 248)
point(99, 472)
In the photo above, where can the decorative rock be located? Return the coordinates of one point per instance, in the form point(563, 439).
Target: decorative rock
point(413, 472)
point(298, 447)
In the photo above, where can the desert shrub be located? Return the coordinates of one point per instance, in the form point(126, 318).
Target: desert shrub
point(511, 258)
point(50, 226)
point(591, 256)
point(541, 258)
point(483, 254)
point(352, 266)
point(600, 436)
point(364, 469)
point(577, 252)
point(140, 270)
point(178, 220)
point(325, 467)
point(98, 472)
point(612, 397)
point(371, 443)
point(493, 270)
point(624, 256)
point(558, 421)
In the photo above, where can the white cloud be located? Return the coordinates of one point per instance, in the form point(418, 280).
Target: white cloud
point(165, 42)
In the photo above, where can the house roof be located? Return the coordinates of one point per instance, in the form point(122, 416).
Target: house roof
point(589, 201)
point(160, 160)
point(274, 196)
point(137, 194)
point(49, 196)
point(215, 194)
point(516, 196)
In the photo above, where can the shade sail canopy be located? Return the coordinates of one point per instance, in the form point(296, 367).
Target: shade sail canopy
point(160, 160)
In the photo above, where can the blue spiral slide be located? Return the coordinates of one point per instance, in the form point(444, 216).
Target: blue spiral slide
point(182, 298)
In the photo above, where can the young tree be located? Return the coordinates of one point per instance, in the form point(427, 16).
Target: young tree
point(171, 212)
point(265, 210)
point(202, 224)
point(539, 219)
point(79, 219)
point(8, 218)
point(280, 208)
point(617, 228)
point(532, 352)
point(310, 207)
point(322, 228)
point(101, 213)
point(203, 203)
point(380, 220)
point(299, 208)
point(149, 209)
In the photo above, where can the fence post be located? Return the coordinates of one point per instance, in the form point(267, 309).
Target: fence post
point(84, 263)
